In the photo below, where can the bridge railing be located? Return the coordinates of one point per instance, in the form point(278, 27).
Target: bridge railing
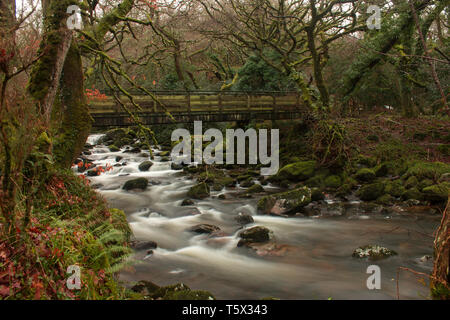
point(206, 101)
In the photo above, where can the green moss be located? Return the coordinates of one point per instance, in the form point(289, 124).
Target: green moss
point(437, 193)
point(199, 191)
point(298, 171)
point(70, 118)
point(113, 148)
point(293, 200)
point(366, 161)
point(333, 182)
point(381, 170)
point(386, 199)
point(365, 175)
point(256, 188)
point(395, 188)
point(440, 292)
point(427, 170)
point(411, 182)
point(412, 193)
point(425, 183)
point(371, 191)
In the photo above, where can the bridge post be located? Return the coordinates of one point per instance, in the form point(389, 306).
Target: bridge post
point(248, 103)
point(154, 106)
point(188, 101)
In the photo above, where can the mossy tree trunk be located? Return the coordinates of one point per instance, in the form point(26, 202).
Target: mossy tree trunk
point(71, 113)
point(46, 73)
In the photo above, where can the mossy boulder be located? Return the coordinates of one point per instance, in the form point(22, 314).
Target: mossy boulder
point(243, 219)
point(333, 182)
point(371, 191)
point(381, 170)
point(298, 171)
point(118, 137)
point(285, 203)
point(145, 166)
point(427, 170)
point(140, 183)
point(385, 199)
point(256, 188)
point(412, 193)
point(113, 148)
point(395, 188)
point(425, 183)
point(365, 175)
point(225, 181)
point(411, 182)
point(437, 193)
point(247, 183)
point(256, 234)
point(199, 191)
point(366, 161)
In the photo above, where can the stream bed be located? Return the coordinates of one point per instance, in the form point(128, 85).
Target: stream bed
point(309, 257)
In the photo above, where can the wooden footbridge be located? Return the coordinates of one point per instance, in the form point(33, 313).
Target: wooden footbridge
point(211, 106)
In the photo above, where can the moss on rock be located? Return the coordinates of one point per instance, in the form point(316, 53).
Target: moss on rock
point(395, 188)
point(145, 166)
point(412, 193)
point(291, 200)
point(437, 193)
point(299, 171)
point(333, 182)
point(371, 191)
point(365, 175)
point(256, 188)
point(199, 191)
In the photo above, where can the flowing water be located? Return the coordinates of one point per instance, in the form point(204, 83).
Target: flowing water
point(312, 258)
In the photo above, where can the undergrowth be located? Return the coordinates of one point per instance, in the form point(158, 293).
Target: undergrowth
point(70, 225)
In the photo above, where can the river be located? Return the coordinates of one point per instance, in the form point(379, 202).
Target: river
point(312, 258)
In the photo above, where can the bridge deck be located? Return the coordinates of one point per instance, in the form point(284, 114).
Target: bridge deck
point(204, 106)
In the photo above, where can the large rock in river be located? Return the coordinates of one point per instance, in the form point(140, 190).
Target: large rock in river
point(285, 203)
point(254, 235)
point(140, 183)
point(204, 228)
point(145, 166)
point(199, 191)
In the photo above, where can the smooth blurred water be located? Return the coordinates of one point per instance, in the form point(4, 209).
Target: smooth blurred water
point(313, 258)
